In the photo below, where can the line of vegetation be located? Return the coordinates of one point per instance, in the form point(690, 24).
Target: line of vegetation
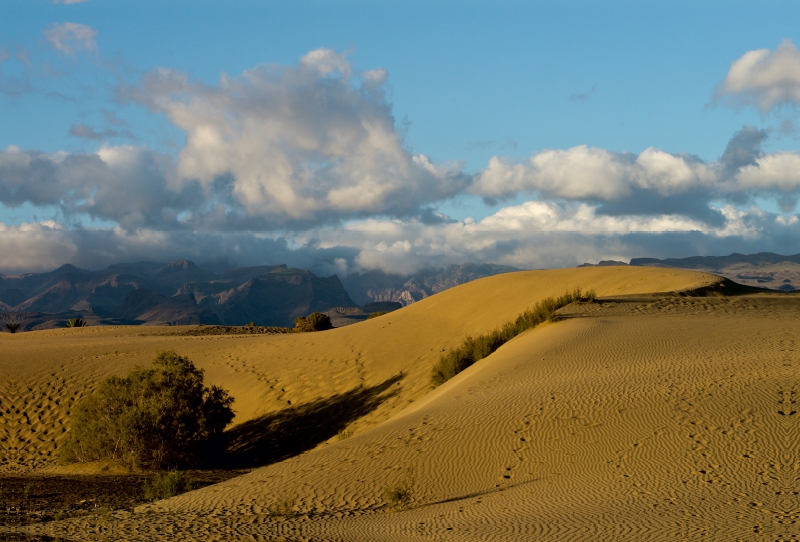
point(376, 314)
point(76, 322)
point(155, 417)
point(474, 349)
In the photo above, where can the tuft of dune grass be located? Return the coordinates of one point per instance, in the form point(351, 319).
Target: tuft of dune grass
point(474, 349)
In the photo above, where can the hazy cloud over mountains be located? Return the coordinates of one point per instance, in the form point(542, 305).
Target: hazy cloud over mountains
point(306, 165)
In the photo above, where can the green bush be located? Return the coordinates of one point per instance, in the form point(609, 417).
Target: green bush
point(157, 417)
point(316, 321)
point(76, 322)
point(474, 349)
point(376, 314)
point(164, 486)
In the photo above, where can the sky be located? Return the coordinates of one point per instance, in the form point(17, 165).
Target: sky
point(344, 136)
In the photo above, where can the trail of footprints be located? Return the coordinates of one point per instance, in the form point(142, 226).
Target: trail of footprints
point(34, 420)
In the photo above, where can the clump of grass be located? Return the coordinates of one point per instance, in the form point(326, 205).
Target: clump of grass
point(104, 512)
point(474, 349)
point(29, 489)
point(13, 327)
point(164, 486)
point(376, 314)
point(400, 494)
point(344, 434)
point(282, 508)
point(58, 516)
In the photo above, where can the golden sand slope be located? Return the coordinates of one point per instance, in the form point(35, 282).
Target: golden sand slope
point(42, 373)
point(662, 419)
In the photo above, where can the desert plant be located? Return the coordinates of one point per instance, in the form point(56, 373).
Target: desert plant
point(282, 508)
point(155, 417)
point(76, 322)
point(400, 494)
point(164, 486)
point(376, 314)
point(474, 349)
point(316, 321)
point(344, 434)
point(12, 327)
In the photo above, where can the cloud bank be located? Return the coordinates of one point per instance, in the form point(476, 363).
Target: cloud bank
point(306, 165)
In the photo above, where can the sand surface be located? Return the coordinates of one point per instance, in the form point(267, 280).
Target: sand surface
point(660, 417)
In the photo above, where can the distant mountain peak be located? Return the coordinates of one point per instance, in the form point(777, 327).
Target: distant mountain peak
point(177, 266)
point(69, 268)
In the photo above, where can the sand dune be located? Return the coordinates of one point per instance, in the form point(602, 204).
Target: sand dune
point(44, 372)
point(661, 417)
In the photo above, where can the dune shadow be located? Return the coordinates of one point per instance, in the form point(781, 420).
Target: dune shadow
point(278, 436)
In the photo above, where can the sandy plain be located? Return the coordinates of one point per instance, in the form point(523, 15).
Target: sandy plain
point(648, 415)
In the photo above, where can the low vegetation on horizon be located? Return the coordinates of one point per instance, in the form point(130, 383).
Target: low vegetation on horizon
point(316, 321)
point(157, 417)
point(474, 349)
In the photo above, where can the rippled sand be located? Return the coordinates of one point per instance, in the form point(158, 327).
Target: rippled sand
point(641, 417)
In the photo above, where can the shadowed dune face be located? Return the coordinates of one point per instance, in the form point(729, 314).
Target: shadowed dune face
point(273, 437)
point(654, 419)
point(45, 372)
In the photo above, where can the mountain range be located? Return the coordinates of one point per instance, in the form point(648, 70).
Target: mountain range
point(182, 293)
point(765, 269)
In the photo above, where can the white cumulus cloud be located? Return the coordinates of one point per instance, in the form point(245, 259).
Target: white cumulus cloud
point(310, 143)
point(586, 173)
point(763, 78)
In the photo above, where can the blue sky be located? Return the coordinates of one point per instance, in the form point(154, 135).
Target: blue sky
point(536, 134)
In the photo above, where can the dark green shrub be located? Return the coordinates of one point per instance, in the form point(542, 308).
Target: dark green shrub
point(13, 327)
point(164, 486)
point(154, 417)
point(76, 322)
point(316, 321)
point(376, 314)
point(474, 349)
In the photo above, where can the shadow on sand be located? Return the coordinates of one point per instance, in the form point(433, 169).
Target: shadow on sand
point(275, 437)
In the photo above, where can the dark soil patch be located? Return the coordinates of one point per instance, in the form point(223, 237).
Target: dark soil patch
point(35, 499)
point(22, 537)
point(236, 330)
